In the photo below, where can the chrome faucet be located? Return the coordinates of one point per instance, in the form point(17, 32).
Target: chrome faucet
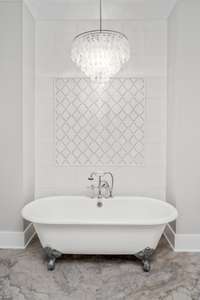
point(103, 184)
point(112, 183)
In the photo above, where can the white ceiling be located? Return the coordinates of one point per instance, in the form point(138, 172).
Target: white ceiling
point(112, 9)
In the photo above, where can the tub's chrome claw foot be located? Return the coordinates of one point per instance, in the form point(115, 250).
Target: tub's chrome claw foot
point(52, 255)
point(145, 256)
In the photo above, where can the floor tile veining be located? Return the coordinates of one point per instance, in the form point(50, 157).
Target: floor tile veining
point(24, 276)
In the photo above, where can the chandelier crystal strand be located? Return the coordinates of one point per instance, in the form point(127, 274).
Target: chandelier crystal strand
point(100, 53)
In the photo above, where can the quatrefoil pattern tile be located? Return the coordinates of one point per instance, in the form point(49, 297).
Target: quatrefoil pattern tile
point(99, 126)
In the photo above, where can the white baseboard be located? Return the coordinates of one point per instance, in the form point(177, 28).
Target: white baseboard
point(11, 240)
point(15, 239)
point(182, 242)
point(187, 243)
point(178, 242)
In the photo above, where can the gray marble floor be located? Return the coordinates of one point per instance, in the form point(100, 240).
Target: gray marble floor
point(24, 276)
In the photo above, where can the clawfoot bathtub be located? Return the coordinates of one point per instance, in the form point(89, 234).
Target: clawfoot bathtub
point(118, 225)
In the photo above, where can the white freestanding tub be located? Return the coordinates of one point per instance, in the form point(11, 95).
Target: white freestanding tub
point(77, 225)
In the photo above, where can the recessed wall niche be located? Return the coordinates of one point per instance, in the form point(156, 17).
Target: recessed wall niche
point(99, 125)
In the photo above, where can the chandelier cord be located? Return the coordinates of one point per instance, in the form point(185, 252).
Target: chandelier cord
point(100, 16)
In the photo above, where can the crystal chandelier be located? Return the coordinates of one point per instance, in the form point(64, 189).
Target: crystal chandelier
point(100, 53)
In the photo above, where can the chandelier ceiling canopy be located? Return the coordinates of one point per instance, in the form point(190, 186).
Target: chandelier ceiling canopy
point(100, 53)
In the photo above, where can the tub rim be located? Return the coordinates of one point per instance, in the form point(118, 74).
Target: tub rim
point(141, 222)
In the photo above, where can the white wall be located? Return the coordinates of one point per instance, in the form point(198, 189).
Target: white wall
point(183, 144)
point(10, 115)
point(148, 59)
point(16, 113)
